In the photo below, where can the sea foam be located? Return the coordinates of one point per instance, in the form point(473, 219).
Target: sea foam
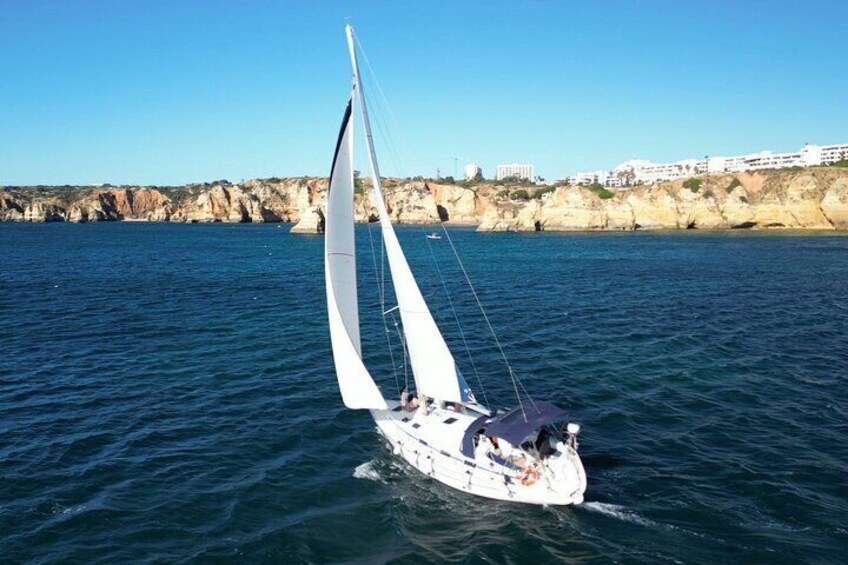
point(619, 512)
point(367, 471)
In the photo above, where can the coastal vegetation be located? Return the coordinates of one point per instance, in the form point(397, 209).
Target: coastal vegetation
point(540, 192)
point(733, 184)
point(601, 191)
point(357, 183)
point(693, 184)
point(511, 181)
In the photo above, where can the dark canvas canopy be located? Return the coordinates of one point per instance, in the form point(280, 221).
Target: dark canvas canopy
point(467, 447)
point(513, 427)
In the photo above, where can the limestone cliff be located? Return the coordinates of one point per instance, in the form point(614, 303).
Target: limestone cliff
point(813, 198)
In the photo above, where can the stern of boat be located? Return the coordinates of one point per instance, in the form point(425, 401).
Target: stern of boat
point(564, 476)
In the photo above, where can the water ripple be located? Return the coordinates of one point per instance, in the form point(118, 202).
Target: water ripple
point(168, 395)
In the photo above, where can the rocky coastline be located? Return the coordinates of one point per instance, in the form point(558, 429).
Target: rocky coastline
point(814, 198)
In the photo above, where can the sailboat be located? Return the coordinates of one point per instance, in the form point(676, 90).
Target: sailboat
point(441, 430)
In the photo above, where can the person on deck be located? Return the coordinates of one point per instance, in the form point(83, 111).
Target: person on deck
point(408, 402)
point(496, 447)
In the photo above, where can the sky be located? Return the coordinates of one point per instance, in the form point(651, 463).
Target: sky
point(171, 92)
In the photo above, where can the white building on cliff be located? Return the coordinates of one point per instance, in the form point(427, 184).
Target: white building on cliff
point(645, 172)
point(472, 170)
point(515, 170)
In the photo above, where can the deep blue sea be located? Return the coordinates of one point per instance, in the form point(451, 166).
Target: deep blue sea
point(167, 394)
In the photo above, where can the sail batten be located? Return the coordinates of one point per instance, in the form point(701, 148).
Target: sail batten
point(433, 365)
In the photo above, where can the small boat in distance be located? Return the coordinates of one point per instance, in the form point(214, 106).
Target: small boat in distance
point(441, 430)
point(433, 235)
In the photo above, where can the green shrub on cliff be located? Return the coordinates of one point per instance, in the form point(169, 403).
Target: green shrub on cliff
point(357, 183)
point(601, 191)
point(520, 194)
point(693, 184)
point(733, 184)
point(840, 163)
point(178, 195)
point(511, 181)
point(542, 191)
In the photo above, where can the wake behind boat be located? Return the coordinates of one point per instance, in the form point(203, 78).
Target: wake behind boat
point(441, 429)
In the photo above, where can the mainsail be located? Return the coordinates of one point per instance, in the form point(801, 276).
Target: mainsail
point(433, 366)
point(357, 387)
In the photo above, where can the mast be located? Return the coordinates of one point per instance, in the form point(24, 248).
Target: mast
point(369, 140)
point(433, 366)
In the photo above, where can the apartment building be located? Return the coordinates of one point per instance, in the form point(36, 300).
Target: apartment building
point(646, 172)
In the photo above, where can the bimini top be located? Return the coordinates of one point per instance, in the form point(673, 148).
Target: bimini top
point(467, 447)
point(513, 427)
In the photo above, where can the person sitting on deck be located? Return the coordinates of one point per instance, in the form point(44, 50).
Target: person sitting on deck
point(507, 453)
point(408, 402)
point(543, 444)
point(455, 406)
point(496, 448)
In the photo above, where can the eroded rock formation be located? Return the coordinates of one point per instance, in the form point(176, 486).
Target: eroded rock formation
point(813, 198)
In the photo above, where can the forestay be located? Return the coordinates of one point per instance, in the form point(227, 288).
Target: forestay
point(357, 387)
point(433, 366)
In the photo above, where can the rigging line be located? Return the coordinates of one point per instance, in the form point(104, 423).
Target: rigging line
point(395, 157)
point(521, 384)
point(385, 133)
point(379, 86)
point(383, 129)
point(458, 325)
point(512, 374)
point(382, 268)
point(405, 356)
point(383, 309)
point(383, 126)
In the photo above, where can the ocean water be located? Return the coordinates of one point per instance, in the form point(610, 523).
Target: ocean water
point(167, 394)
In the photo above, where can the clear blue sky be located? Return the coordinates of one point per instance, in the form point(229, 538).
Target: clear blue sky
point(160, 92)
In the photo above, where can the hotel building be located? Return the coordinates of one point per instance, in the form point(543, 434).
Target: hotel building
point(515, 170)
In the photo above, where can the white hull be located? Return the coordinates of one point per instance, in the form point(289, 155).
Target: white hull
point(432, 446)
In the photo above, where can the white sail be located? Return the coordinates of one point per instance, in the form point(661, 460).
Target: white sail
point(433, 366)
point(355, 383)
